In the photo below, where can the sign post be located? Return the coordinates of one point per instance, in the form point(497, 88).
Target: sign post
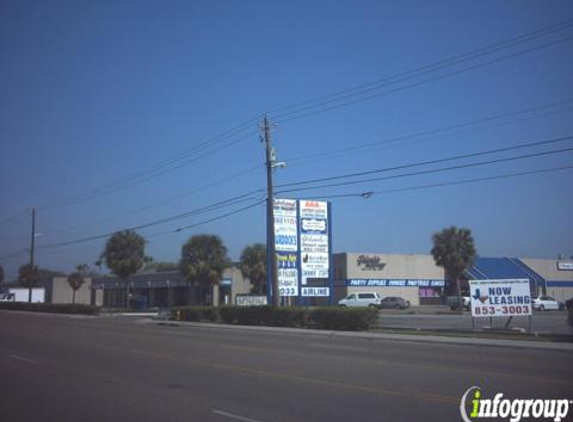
point(500, 298)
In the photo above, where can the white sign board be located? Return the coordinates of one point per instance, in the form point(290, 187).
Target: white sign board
point(564, 266)
point(500, 298)
point(286, 245)
point(315, 291)
point(314, 239)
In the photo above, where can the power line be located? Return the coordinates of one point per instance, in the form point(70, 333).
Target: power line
point(428, 162)
point(221, 216)
point(423, 172)
point(160, 203)
point(14, 217)
point(13, 255)
point(368, 194)
point(137, 181)
point(374, 144)
point(225, 203)
point(419, 83)
point(437, 65)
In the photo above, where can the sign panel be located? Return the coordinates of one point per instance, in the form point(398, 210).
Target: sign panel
point(371, 282)
point(500, 298)
point(315, 291)
point(564, 266)
point(314, 241)
point(286, 245)
point(286, 239)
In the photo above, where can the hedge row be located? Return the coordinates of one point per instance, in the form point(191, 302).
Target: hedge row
point(53, 308)
point(326, 318)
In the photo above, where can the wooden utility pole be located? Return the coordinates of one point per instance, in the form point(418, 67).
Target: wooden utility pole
point(31, 272)
point(270, 161)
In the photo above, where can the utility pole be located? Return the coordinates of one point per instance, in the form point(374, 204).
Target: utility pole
point(270, 164)
point(31, 272)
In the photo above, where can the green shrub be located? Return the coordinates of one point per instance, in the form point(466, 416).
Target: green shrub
point(54, 308)
point(195, 314)
point(321, 318)
point(263, 315)
point(343, 318)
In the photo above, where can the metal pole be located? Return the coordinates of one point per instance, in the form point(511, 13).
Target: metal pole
point(270, 213)
point(31, 272)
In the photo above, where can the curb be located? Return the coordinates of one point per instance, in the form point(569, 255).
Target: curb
point(412, 338)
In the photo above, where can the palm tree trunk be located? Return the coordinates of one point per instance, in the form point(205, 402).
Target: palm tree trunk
point(74, 296)
point(460, 301)
point(126, 294)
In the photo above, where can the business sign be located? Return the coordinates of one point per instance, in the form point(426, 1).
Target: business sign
point(314, 239)
point(286, 228)
point(385, 282)
point(286, 246)
point(315, 291)
point(500, 298)
point(302, 244)
point(370, 263)
point(250, 300)
point(564, 266)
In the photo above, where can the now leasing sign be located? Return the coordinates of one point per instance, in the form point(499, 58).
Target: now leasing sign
point(500, 298)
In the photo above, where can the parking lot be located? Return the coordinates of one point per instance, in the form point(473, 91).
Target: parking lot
point(554, 322)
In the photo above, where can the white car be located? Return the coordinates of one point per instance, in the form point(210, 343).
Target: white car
point(361, 299)
point(543, 303)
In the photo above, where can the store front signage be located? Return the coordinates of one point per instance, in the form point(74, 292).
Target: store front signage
point(370, 282)
point(564, 266)
point(370, 263)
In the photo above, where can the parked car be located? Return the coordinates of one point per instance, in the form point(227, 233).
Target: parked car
point(361, 299)
point(546, 303)
point(394, 302)
point(452, 302)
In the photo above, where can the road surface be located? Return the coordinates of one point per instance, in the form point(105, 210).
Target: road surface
point(110, 369)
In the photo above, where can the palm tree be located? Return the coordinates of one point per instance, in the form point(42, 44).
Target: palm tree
point(124, 255)
point(203, 259)
point(253, 264)
point(455, 251)
point(77, 279)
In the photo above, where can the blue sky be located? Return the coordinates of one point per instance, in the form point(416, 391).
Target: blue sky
point(92, 93)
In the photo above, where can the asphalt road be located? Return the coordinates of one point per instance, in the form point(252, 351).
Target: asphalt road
point(542, 322)
point(109, 369)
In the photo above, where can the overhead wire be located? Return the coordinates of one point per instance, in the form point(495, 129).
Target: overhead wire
point(437, 65)
point(227, 202)
point(427, 162)
point(420, 83)
point(368, 194)
point(431, 171)
point(368, 146)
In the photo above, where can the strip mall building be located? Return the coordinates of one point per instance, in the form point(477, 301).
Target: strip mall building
point(418, 279)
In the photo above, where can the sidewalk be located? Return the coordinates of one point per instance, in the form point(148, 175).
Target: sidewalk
point(520, 344)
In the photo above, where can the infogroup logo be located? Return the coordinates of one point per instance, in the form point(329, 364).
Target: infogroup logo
point(512, 409)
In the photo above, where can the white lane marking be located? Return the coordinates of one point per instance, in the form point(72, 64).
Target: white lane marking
point(237, 417)
point(24, 359)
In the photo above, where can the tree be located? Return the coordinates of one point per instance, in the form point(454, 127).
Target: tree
point(124, 255)
point(203, 260)
point(455, 251)
point(253, 265)
point(77, 279)
point(24, 275)
point(1, 274)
